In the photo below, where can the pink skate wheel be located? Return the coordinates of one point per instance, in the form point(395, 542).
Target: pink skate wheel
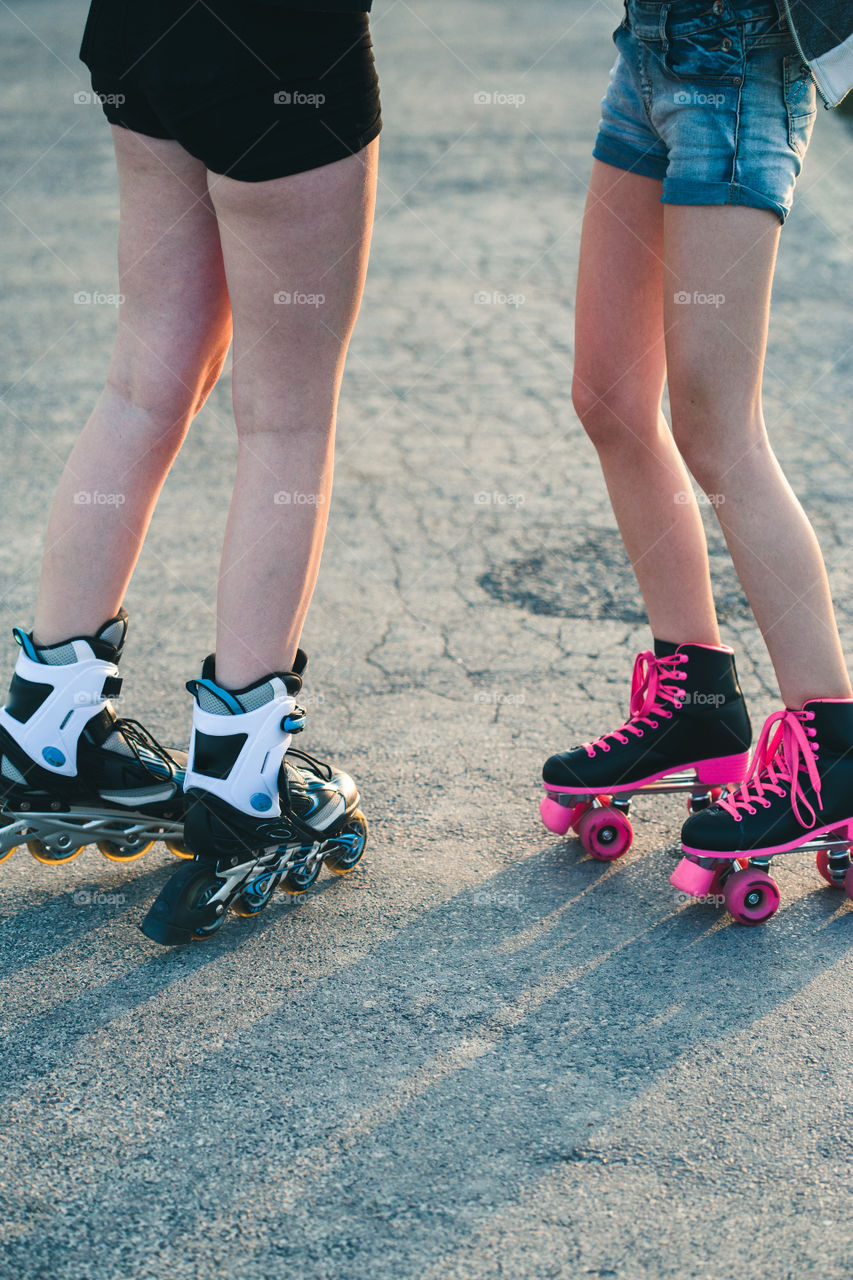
point(605, 833)
point(690, 878)
point(557, 817)
point(822, 863)
point(751, 896)
point(577, 813)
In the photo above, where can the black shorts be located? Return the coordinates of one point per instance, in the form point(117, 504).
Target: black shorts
point(252, 91)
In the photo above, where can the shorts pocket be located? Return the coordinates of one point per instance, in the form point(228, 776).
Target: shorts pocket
point(701, 51)
point(800, 103)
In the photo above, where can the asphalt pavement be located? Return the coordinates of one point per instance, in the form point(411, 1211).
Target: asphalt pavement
point(482, 1054)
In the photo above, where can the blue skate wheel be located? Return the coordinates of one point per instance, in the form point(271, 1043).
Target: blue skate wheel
point(255, 896)
point(345, 850)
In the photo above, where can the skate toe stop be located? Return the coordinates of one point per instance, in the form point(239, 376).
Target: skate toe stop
point(690, 878)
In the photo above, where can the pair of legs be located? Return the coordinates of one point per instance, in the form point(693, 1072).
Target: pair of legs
point(200, 256)
point(639, 260)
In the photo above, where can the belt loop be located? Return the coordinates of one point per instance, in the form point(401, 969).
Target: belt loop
point(664, 16)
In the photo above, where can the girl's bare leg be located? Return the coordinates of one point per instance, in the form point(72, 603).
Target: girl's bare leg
point(620, 367)
point(715, 357)
point(173, 334)
point(295, 252)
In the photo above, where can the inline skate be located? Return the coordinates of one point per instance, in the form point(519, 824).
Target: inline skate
point(687, 731)
point(259, 814)
point(798, 796)
point(73, 773)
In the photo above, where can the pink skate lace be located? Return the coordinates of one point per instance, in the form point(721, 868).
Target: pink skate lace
point(648, 694)
point(783, 751)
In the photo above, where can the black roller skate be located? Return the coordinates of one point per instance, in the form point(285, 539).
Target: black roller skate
point(256, 818)
point(71, 772)
point(798, 796)
point(687, 731)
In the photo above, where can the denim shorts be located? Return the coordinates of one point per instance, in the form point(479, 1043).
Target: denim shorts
point(711, 98)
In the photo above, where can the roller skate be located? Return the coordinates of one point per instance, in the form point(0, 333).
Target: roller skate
point(687, 731)
point(71, 772)
point(257, 818)
point(798, 796)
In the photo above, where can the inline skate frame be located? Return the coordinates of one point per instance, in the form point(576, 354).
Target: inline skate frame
point(260, 815)
point(687, 732)
point(797, 798)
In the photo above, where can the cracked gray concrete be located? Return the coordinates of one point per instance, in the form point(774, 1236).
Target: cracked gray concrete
point(481, 1055)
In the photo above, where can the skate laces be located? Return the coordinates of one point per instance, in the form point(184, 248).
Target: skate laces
point(315, 766)
point(650, 690)
point(144, 747)
point(786, 748)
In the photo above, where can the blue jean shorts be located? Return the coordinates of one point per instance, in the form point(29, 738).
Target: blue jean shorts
point(711, 98)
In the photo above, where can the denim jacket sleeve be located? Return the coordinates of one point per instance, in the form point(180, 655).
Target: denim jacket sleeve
point(823, 31)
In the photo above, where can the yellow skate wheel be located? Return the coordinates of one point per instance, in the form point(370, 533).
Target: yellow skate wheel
point(255, 896)
point(178, 849)
point(347, 848)
point(299, 879)
point(8, 853)
point(116, 853)
point(40, 853)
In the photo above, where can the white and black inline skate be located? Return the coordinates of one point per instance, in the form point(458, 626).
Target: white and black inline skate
point(256, 818)
point(72, 773)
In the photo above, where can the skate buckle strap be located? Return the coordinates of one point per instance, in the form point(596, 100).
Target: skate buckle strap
point(648, 694)
point(112, 687)
point(785, 747)
point(294, 721)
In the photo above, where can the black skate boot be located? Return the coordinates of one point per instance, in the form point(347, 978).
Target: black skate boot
point(687, 730)
point(256, 817)
point(798, 794)
point(71, 772)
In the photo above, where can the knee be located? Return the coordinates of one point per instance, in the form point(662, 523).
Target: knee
point(165, 389)
point(712, 437)
point(612, 415)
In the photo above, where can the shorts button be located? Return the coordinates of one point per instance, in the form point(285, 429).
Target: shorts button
point(717, 7)
point(726, 44)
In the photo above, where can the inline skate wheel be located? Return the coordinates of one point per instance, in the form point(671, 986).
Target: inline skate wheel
point(825, 870)
point(255, 896)
point(53, 857)
point(123, 853)
point(605, 833)
point(178, 849)
point(183, 909)
point(346, 849)
point(7, 853)
point(751, 896)
point(300, 878)
point(205, 893)
point(556, 817)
